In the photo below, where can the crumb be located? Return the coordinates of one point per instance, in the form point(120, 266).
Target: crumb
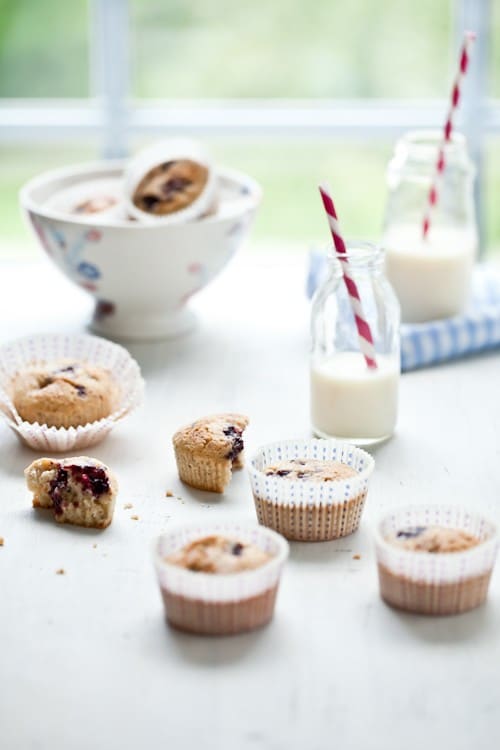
point(1, 541)
point(169, 493)
point(135, 518)
point(356, 557)
point(94, 546)
point(60, 572)
point(127, 506)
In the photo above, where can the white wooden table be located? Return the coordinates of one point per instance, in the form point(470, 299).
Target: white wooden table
point(86, 660)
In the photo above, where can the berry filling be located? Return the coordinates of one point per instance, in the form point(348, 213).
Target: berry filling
point(411, 533)
point(92, 479)
point(237, 549)
point(57, 489)
point(237, 441)
point(174, 185)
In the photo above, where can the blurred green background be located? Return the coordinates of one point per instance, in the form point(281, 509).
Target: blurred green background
point(221, 49)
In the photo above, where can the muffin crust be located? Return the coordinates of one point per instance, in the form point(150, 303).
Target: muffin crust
point(433, 539)
point(219, 554)
point(63, 393)
point(310, 469)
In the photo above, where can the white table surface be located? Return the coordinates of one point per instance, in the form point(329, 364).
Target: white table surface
point(86, 660)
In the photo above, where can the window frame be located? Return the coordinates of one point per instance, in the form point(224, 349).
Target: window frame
point(112, 117)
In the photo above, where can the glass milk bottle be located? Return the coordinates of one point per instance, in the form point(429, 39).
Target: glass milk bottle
point(431, 277)
point(349, 400)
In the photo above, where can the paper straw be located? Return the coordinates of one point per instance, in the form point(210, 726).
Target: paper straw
point(364, 333)
point(439, 168)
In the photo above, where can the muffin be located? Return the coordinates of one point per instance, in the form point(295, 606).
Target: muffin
point(207, 451)
point(66, 379)
point(310, 490)
point(80, 491)
point(171, 186)
point(220, 579)
point(63, 393)
point(435, 560)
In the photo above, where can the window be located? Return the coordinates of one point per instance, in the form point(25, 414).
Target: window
point(288, 91)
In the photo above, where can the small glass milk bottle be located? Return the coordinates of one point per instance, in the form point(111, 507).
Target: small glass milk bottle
point(349, 400)
point(430, 276)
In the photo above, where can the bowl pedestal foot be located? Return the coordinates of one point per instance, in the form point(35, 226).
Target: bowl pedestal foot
point(136, 326)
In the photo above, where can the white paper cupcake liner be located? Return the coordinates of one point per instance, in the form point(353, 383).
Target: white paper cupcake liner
point(212, 587)
point(17, 355)
point(306, 510)
point(435, 583)
point(148, 158)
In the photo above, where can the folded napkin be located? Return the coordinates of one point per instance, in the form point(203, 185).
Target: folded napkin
point(424, 344)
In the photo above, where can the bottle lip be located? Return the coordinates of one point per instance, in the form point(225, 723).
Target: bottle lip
point(359, 253)
point(424, 143)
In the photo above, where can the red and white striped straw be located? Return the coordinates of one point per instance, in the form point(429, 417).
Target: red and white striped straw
point(463, 65)
point(364, 333)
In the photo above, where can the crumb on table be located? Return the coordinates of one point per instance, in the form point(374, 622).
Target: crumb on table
point(1, 541)
point(94, 546)
point(134, 518)
point(127, 506)
point(169, 493)
point(60, 572)
point(356, 557)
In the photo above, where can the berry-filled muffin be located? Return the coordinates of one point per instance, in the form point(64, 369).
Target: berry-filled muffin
point(171, 186)
point(80, 491)
point(433, 559)
point(64, 393)
point(209, 449)
point(219, 578)
point(310, 490)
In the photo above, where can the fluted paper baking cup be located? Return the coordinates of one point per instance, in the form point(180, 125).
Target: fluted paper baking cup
point(164, 151)
point(214, 603)
point(17, 355)
point(305, 510)
point(435, 583)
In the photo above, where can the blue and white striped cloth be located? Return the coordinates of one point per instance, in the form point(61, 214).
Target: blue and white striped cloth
point(425, 344)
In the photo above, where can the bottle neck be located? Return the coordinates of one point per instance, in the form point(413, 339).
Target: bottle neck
point(361, 258)
point(418, 151)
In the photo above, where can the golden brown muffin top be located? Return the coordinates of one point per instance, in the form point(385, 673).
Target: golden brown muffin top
point(311, 470)
point(217, 436)
point(433, 539)
point(170, 187)
point(63, 393)
point(219, 554)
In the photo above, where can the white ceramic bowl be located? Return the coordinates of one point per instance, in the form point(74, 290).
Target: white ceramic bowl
point(140, 275)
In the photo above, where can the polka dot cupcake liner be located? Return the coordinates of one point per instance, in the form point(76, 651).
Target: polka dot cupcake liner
point(435, 583)
point(17, 355)
point(219, 604)
point(304, 510)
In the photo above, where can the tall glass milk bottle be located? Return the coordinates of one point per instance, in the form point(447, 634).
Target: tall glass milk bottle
point(431, 277)
point(349, 400)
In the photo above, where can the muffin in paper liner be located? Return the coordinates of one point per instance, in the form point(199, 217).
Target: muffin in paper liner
point(17, 355)
point(216, 603)
point(153, 156)
point(443, 583)
point(305, 510)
